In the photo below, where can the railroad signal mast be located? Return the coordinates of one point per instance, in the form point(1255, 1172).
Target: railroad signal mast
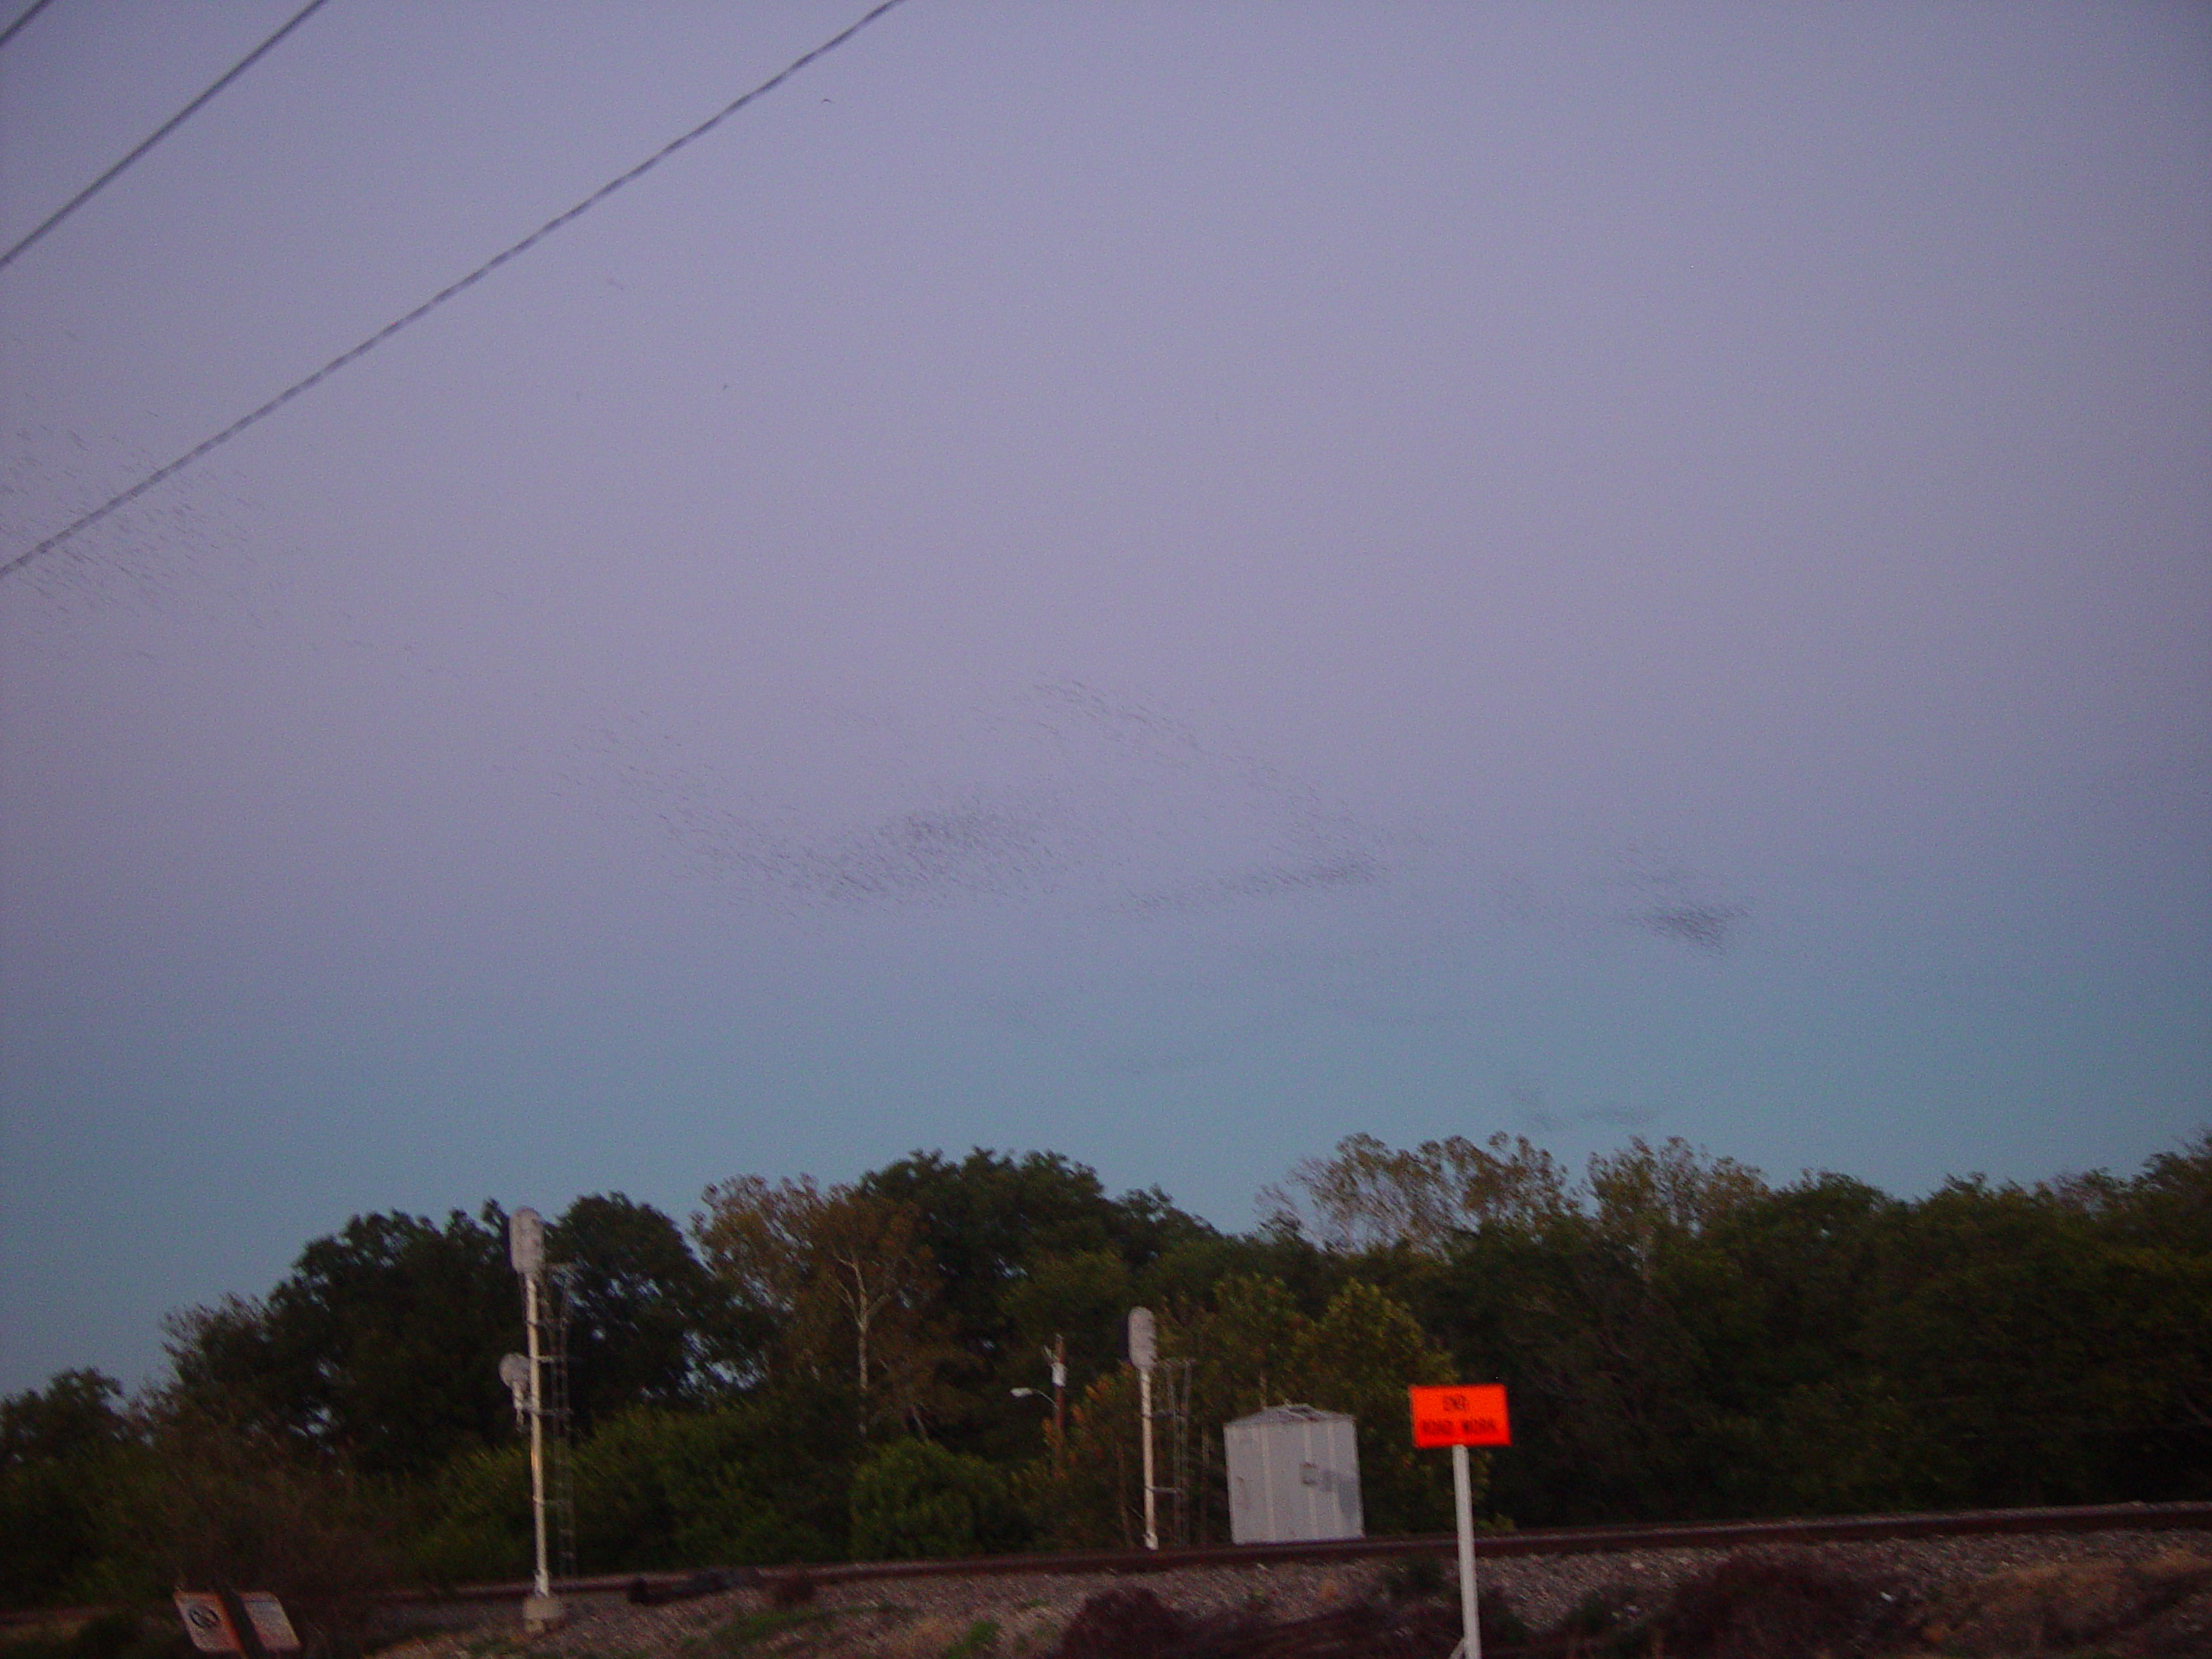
point(1144, 1354)
point(525, 1376)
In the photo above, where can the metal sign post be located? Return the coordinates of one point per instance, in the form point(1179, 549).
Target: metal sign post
point(1459, 1418)
point(1463, 1505)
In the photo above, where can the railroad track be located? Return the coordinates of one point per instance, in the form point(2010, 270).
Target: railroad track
point(1556, 1541)
point(1553, 1541)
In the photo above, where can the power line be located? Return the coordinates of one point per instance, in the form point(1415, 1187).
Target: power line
point(36, 7)
point(444, 294)
point(160, 132)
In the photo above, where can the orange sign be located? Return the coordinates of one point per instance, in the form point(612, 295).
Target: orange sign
point(1471, 1416)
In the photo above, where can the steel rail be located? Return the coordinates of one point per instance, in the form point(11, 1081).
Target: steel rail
point(1553, 1541)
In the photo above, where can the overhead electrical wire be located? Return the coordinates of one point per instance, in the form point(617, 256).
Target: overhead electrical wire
point(33, 10)
point(159, 133)
point(254, 418)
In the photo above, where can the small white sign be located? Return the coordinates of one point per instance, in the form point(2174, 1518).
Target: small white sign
point(271, 1625)
point(206, 1623)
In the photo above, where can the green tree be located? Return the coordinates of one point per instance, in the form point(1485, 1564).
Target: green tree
point(1360, 1357)
point(1245, 1346)
point(1593, 1316)
point(1080, 1300)
point(1806, 1422)
point(990, 1219)
point(648, 1325)
point(1368, 1195)
point(67, 1455)
point(2053, 1353)
point(2169, 1205)
point(225, 1504)
point(761, 1477)
point(843, 1278)
point(1095, 1498)
point(76, 1414)
point(382, 1345)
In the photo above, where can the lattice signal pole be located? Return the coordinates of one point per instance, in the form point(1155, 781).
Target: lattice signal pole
point(561, 1464)
point(1171, 1405)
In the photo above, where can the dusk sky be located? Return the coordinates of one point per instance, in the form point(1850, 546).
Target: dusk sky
point(1164, 583)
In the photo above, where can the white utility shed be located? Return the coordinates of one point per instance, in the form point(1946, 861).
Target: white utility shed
point(1294, 1474)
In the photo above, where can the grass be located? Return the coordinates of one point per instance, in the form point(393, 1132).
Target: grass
point(2078, 1608)
point(118, 1634)
point(749, 1630)
point(1418, 1578)
point(980, 1637)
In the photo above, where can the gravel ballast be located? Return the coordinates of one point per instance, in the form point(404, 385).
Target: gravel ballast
point(1019, 1613)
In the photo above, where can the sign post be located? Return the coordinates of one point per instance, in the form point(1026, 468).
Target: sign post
point(1459, 1418)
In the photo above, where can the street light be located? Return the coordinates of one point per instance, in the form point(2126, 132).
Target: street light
point(1056, 1357)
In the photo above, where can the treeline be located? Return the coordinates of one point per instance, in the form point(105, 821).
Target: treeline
point(809, 1373)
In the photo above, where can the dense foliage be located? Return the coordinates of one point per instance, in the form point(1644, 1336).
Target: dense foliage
point(809, 1371)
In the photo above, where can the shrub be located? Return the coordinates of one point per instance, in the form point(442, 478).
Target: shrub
point(1120, 1625)
point(1418, 1578)
point(2063, 1605)
point(474, 1522)
point(914, 1500)
point(1782, 1604)
point(791, 1589)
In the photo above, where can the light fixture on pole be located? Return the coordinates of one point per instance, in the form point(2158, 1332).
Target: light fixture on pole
point(1056, 1357)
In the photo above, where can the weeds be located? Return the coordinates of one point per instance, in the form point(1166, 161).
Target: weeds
point(1120, 1625)
point(2064, 1607)
point(1419, 1577)
point(748, 1631)
point(118, 1634)
point(791, 1589)
point(980, 1637)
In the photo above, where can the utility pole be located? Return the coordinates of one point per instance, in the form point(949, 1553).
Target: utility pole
point(1060, 1357)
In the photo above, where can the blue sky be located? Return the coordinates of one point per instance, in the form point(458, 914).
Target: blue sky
point(1165, 583)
